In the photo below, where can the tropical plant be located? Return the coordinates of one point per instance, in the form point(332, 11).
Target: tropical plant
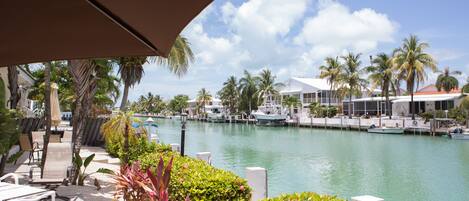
point(446, 80)
point(465, 88)
point(179, 103)
point(411, 61)
point(119, 128)
point(9, 131)
point(82, 175)
point(331, 72)
point(314, 108)
point(311, 196)
point(203, 98)
point(131, 68)
point(148, 104)
point(128, 182)
point(197, 179)
point(350, 78)
point(229, 94)
point(267, 87)
point(157, 190)
point(291, 102)
point(248, 89)
point(381, 75)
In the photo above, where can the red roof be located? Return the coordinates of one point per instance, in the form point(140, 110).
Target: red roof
point(431, 89)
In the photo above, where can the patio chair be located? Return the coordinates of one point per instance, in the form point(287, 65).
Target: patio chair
point(25, 191)
point(57, 166)
point(55, 139)
point(27, 146)
point(38, 136)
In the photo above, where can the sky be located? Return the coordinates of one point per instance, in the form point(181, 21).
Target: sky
point(292, 38)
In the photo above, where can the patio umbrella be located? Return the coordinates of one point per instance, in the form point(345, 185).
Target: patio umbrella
point(55, 105)
point(38, 31)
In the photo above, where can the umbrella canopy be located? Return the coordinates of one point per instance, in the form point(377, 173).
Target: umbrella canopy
point(56, 117)
point(37, 31)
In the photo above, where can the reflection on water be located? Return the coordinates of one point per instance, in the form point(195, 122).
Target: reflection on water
point(344, 163)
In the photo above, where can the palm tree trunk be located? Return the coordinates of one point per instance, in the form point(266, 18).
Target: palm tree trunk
point(13, 86)
point(330, 94)
point(412, 106)
point(350, 105)
point(126, 144)
point(47, 113)
point(388, 104)
point(124, 98)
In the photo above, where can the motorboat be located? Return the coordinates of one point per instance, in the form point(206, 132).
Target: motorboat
point(385, 130)
point(270, 116)
point(459, 134)
point(215, 114)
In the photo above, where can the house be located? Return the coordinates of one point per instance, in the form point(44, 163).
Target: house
point(25, 81)
point(214, 104)
point(426, 99)
point(309, 90)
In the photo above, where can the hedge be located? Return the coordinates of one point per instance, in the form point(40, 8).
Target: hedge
point(305, 196)
point(199, 180)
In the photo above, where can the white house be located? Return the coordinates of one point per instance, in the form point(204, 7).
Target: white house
point(25, 81)
point(309, 90)
point(425, 100)
point(214, 104)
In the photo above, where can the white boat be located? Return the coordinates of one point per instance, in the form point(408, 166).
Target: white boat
point(459, 134)
point(215, 114)
point(386, 130)
point(270, 116)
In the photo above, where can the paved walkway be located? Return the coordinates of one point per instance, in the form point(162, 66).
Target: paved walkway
point(87, 192)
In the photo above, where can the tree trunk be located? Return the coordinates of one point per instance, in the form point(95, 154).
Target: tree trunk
point(388, 104)
point(47, 113)
point(3, 163)
point(126, 144)
point(330, 94)
point(124, 98)
point(412, 106)
point(350, 105)
point(13, 86)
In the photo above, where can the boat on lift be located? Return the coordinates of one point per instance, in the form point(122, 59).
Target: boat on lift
point(270, 114)
point(385, 130)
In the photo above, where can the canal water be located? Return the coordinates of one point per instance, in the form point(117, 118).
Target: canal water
point(343, 163)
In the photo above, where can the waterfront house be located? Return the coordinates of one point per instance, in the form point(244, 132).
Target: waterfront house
point(213, 104)
point(426, 99)
point(309, 90)
point(25, 81)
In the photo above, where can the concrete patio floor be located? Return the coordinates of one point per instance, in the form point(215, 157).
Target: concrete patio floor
point(87, 192)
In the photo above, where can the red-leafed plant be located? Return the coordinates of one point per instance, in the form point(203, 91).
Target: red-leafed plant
point(133, 183)
point(128, 182)
point(158, 186)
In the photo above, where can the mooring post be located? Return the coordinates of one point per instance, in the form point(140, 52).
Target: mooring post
point(359, 124)
point(257, 180)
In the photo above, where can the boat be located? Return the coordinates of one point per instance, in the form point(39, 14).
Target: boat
point(215, 114)
point(270, 115)
point(459, 134)
point(385, 130)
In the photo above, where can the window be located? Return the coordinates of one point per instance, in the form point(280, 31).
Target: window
point(444, 105)
point(309, 97)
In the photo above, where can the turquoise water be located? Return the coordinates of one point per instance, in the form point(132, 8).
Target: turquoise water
point(344, 163)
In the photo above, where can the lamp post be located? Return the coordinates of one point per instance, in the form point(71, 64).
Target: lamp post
point(183, 131)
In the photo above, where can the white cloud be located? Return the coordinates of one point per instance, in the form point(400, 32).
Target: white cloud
point(446, 54)
point(336, 29)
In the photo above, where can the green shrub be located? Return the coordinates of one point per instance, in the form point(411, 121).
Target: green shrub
point(323, 111)
point(137, 148)
point(198, 180)
point(456, 113)
point(305, 196)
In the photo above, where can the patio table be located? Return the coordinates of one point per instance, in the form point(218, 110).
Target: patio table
point(13, 191)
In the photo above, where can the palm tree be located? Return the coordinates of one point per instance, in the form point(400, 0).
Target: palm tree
point(120, 127)
point(447, 81)
point(203, 97)
point(248, 88)
point(331, 72)
point(131, 68)
point(229, 94)
point(381, 75)
point(411, 62)
point(465, 88)
point(291, 102)
point(267, 88)
point(350, 79)
point(131, 72)
point(13, 86)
